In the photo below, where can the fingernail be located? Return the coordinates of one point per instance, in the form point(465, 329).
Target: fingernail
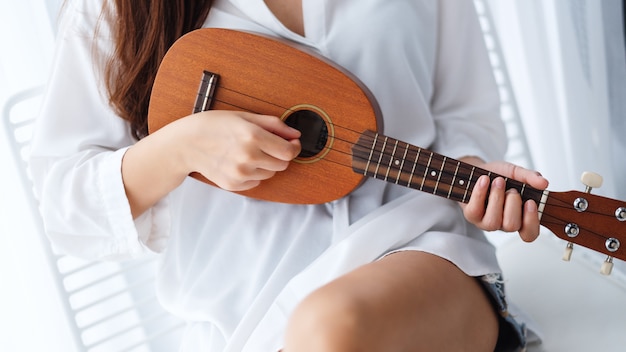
point(498, 182)
point(531, 206)
point(483, 181)
point(511, 191)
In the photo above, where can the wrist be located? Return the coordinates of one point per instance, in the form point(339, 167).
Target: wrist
point(151, 169)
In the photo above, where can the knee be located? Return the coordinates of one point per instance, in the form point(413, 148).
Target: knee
point(326, 321)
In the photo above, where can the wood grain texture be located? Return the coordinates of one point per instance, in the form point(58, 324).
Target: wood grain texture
point(268, 76)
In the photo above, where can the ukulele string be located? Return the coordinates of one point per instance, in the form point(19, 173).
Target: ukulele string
point(326, 148)
point(383, 153)
point(272, 104)
point(556, 220)
point(418, 173)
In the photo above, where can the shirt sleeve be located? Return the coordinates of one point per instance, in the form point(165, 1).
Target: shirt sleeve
point(77, 150)
point(466, 103)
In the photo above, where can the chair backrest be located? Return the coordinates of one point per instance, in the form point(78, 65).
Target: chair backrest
point(110, 306)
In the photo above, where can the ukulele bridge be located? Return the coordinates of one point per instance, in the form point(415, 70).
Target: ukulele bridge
point(206, 91)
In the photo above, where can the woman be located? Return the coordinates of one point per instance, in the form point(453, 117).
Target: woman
point(382, 269)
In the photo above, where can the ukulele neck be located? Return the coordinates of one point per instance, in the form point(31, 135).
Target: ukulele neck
point(397, 162)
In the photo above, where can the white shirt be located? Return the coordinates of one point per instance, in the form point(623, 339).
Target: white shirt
point(236, 267)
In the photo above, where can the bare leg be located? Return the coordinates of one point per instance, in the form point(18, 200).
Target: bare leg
point(407, 301)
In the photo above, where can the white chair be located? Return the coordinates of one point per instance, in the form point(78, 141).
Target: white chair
point(109, 306)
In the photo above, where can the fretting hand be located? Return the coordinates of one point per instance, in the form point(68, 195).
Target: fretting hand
point(505, 209)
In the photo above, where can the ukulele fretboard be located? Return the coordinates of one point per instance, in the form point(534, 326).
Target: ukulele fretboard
point(398, 162)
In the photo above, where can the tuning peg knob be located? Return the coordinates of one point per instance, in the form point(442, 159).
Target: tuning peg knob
point(568, 252)
point(607, 266)
point(591, 180)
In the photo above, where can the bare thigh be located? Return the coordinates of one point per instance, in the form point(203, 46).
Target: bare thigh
point(407, 301)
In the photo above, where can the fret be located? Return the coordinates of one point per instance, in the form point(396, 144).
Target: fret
point(369, 159)
point(406, 169)
point(391, 160)
point(541, 204)
point(417, 156)
point(380, 159)
point(443, 163)
point(406, 150)
point(469, 182)
point(430, 159)
point(456, 171)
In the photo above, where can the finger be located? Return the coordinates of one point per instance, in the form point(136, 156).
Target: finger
point(512, 218)
point(258, 174)
point(538, 181)
point(274, 125)
point(530, 222)
point(281, 141)
point(267, 163)
point(495, 206)
point(278, 147)
point(474, 210)
point(242, 180)
point(531, 177)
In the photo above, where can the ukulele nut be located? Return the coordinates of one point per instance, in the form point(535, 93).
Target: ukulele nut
point(612, 245)
point(572, 230)
point(581, 204)
point(620, 214)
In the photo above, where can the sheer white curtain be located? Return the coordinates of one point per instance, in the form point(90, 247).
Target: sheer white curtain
point(557, 55)
point(30, 313)
point(567, 64)
point(616, 62)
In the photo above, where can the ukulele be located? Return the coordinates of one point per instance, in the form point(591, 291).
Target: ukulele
point(339, 118)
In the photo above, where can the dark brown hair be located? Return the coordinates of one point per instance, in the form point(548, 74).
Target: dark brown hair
point(142, 32)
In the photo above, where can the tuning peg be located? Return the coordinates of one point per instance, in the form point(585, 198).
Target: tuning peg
point(568, 251)
point(591, 180)
point(607, 266)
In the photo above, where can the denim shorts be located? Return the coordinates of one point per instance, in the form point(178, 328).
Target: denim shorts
point(513, 333)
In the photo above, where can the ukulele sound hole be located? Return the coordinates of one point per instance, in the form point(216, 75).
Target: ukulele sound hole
point(314, 131)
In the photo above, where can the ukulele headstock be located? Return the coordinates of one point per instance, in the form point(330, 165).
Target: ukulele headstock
point(592, 221)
